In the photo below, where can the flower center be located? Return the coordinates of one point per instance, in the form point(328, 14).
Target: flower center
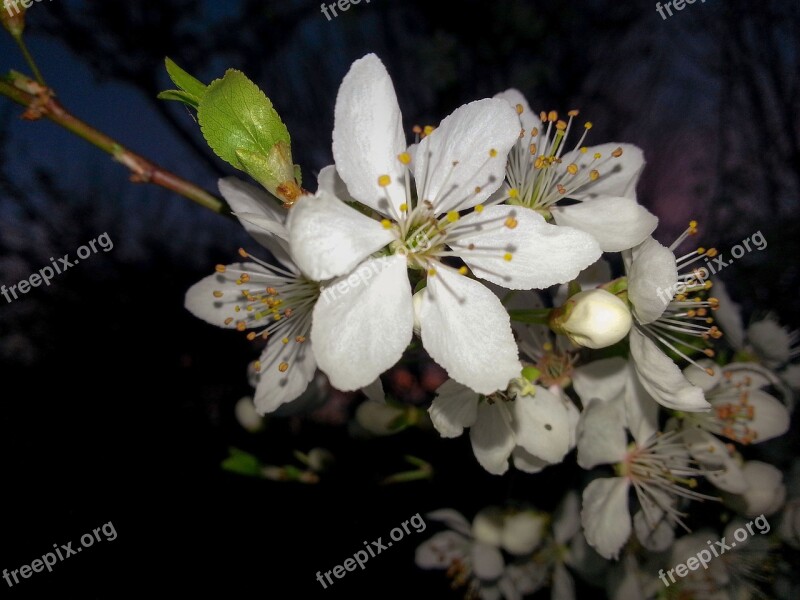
point(539, 174)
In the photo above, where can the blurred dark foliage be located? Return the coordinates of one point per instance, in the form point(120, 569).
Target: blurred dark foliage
point(119, 403)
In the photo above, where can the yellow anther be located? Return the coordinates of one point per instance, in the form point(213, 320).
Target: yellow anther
point(452, 216)
point(229, 320)
point(220, 268)
point(462, 270)
point(597, 155)
point(245, 277)
point(403, 207)
point(617, 153)
point(539, 162)
point(574, 113)
point(561, 125)
point(404, 157)
point(587, 125)
point(520, 109)
point(543, 117)
point(712, 252)
point(594, 174)
point(511, 222)
point(431, 272)
point(283, 367)
point(513, 193)
point(387, 224)
point(507, 256)
point(251, 336)
point(492, 152)
point(572, 169)
point(285, 340)
point(257, 366)
point(243, 253)
point(478, 190)
point(384, 180)
point(552, 116)
point(429, 129)
point(217, 294)
point(534, 132)
point(479, 208)
point(532, 148)
point(241, 326)
point(584, 149)
point(701, 250)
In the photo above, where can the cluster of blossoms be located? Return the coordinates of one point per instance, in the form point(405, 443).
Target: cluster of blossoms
point(484, 239)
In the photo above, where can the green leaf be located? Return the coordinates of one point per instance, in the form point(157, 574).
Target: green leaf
point(242, 463)
point(188, 83)
point(179, 96)
point(243, 129)
point(191, 89)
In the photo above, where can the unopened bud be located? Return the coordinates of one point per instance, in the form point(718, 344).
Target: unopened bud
point(12, 15)
point(592, 319)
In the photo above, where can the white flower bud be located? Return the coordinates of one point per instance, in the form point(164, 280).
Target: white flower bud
point(487, 526)
point(593, 319)
point(247, 416)
point(522, 533)
point(378, 417)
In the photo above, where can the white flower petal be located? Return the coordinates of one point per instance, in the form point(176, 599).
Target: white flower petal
point(454, 408)
point(466, 137)
point(699, 376)
point(563, 586)
point(617, 223)
point(641, 411)
point(566, 519)
point(770, 341)
point(329, 238)
point(368, 136)
point(728, 316)
point(765, 493)
point(654, 539)
point(275, 387)
point(204, 304)
point(363, 332)
point(529, 119)
point(541, 254)
point(618, 176)
point(465, 329)
point(260, 214)
point(770, 417)
point(492, 437)
point(441, 550)
point(662, 378)
point(452, 519)
point(527, 462)
point(651, 280)
point(487, 562)
point(329, 180)
point(601, 434)
point(604, 379)
point(605, 516)
point(542, 425)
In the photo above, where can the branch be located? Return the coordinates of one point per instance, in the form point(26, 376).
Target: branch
point(39, 102)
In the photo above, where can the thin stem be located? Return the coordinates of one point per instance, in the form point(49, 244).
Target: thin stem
point(23, 47)
point(40, 102)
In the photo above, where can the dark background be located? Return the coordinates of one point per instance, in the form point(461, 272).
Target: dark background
point(118, 404)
